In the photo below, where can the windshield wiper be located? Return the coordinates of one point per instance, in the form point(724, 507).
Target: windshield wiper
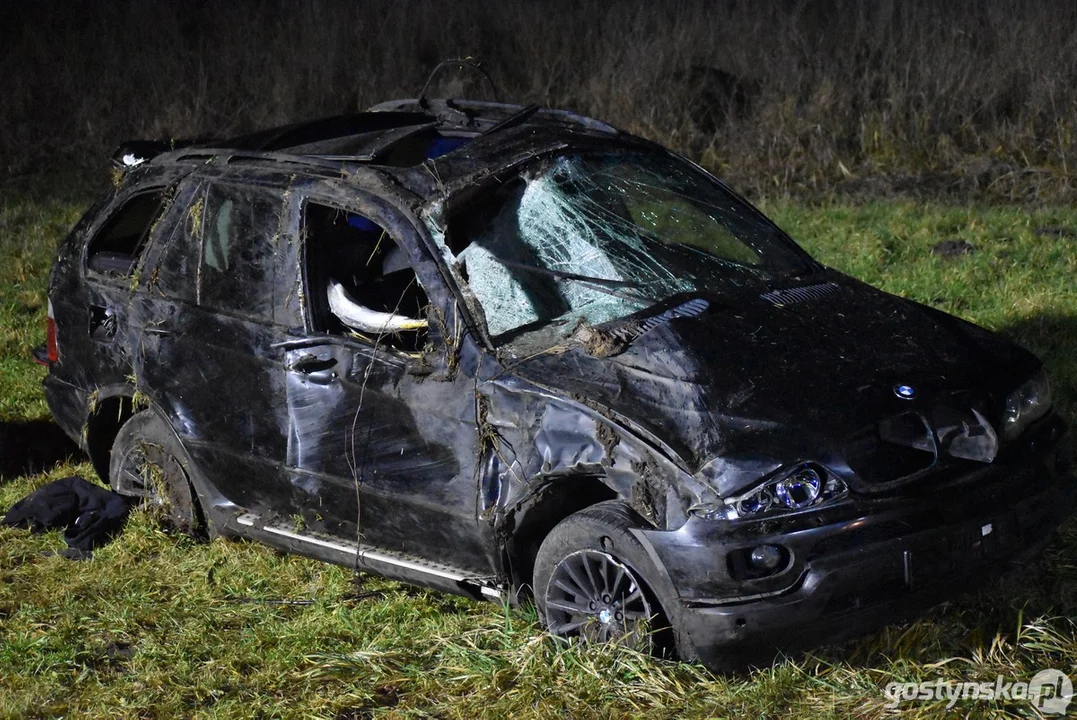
point(605, 285)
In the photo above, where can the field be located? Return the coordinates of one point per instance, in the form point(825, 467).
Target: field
point(160, 626)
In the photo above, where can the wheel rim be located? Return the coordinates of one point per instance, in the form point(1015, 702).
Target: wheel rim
point(151, 473)
point(597, 598)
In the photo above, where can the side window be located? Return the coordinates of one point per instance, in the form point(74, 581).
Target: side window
point(360, 281)
point(240, 230)
point(176, 270)
point(116, 248)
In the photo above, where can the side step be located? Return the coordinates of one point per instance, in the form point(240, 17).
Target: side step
point(364, 557)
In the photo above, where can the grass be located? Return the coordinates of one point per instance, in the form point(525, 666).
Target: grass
point(159, 626)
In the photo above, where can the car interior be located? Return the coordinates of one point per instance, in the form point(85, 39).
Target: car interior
point(355, 270)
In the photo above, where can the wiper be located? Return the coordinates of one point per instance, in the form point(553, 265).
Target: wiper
point(518, 117)
point(605, 285)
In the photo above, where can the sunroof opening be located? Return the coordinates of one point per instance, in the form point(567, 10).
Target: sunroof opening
point(326, 129)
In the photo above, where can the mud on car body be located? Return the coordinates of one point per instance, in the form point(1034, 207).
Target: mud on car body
point(506, 351)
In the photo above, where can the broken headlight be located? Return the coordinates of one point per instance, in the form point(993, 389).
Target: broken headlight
point(803, 487)
point(1025, 405)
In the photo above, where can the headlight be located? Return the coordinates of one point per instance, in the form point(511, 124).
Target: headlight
point(1025, 405)
point(802, 487)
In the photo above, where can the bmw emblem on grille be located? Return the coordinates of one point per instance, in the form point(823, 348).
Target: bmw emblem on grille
point(905, 392)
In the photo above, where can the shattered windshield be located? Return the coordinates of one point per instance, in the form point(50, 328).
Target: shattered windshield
point(591, 238)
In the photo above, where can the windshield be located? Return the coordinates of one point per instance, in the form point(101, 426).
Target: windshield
point(591, 238)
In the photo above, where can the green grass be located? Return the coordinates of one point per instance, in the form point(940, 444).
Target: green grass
point(160, 626)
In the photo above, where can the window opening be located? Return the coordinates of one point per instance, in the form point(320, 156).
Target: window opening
point(116, 248)
point(360, 282)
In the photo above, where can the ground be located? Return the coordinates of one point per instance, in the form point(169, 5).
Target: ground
point(161, 626)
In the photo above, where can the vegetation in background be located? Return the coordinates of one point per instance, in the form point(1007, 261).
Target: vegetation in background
point(160, 626)
point(964, 98)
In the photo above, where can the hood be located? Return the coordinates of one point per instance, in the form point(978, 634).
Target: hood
point(788, 375)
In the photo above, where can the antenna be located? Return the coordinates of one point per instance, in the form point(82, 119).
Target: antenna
point(459, 64)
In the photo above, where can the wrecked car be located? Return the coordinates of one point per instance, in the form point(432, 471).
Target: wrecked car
point(513, 352)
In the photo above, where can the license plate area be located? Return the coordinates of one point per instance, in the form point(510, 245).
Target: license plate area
point(961, 553)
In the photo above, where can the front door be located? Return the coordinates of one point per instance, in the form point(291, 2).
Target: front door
point(382, 441)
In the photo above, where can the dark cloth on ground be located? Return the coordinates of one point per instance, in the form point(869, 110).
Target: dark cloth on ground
point(90, 514)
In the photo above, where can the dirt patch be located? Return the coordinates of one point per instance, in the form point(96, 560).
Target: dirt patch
point(599, 343)
point(953, 248)
point(609, 439)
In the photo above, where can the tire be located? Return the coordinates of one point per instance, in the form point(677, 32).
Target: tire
point(592, 582)
point(148, 462)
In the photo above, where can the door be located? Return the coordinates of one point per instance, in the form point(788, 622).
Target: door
point(209, 325)
point(113, 267)
point(382, 437)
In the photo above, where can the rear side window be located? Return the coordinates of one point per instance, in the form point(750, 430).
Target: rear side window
point(238, 261)
point(116, 248)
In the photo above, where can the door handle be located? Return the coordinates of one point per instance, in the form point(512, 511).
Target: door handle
point(314, 368)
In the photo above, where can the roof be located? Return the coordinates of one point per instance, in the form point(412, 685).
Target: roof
point(399, 134)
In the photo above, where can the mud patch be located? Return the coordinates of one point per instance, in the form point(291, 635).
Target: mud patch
point(609, 439)
point(953, 248)
point(648, 494)
point(599, 343)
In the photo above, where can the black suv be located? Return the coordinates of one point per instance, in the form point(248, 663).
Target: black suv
point(509, 351)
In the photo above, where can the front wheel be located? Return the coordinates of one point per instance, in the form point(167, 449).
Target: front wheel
point(591, 582)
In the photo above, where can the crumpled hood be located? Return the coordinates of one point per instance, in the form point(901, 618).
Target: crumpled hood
point(752, 378)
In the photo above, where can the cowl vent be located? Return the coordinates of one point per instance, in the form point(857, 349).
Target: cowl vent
point(693, 307)
point(790, 296)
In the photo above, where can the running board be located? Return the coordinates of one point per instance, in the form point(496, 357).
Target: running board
point(364, 557)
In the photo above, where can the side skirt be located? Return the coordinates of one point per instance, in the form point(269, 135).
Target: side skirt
point(386, 563)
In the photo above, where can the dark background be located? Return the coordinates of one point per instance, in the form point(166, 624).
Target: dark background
point(919, 97)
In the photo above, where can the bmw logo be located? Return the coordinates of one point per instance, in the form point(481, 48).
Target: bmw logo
point(905, 392)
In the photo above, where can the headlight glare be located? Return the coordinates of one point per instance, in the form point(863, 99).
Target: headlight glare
point(1025, 405)
point(802, 487)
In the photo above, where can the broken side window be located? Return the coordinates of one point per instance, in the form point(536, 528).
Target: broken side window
point(360, 281)
point(592, 238)
point(116, 248)
point(239, 235)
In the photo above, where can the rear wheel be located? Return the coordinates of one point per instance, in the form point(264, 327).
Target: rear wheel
point(147, 462)
point(591, 582)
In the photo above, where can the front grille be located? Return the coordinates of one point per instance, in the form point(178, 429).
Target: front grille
point(878, 462)
point(903, 446)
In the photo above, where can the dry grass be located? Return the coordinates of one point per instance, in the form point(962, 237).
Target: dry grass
point(961, 98)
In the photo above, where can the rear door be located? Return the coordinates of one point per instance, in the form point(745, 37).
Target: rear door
point(210, 327)
point(96, 331)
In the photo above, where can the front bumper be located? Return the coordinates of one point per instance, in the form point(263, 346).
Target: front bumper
point(856, 568)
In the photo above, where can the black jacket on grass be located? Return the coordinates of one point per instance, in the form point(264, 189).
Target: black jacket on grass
point(90, 514)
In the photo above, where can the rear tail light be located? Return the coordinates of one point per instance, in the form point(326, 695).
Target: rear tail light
point(50, 338)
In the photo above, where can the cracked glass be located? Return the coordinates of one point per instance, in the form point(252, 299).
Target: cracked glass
point(592, 238)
